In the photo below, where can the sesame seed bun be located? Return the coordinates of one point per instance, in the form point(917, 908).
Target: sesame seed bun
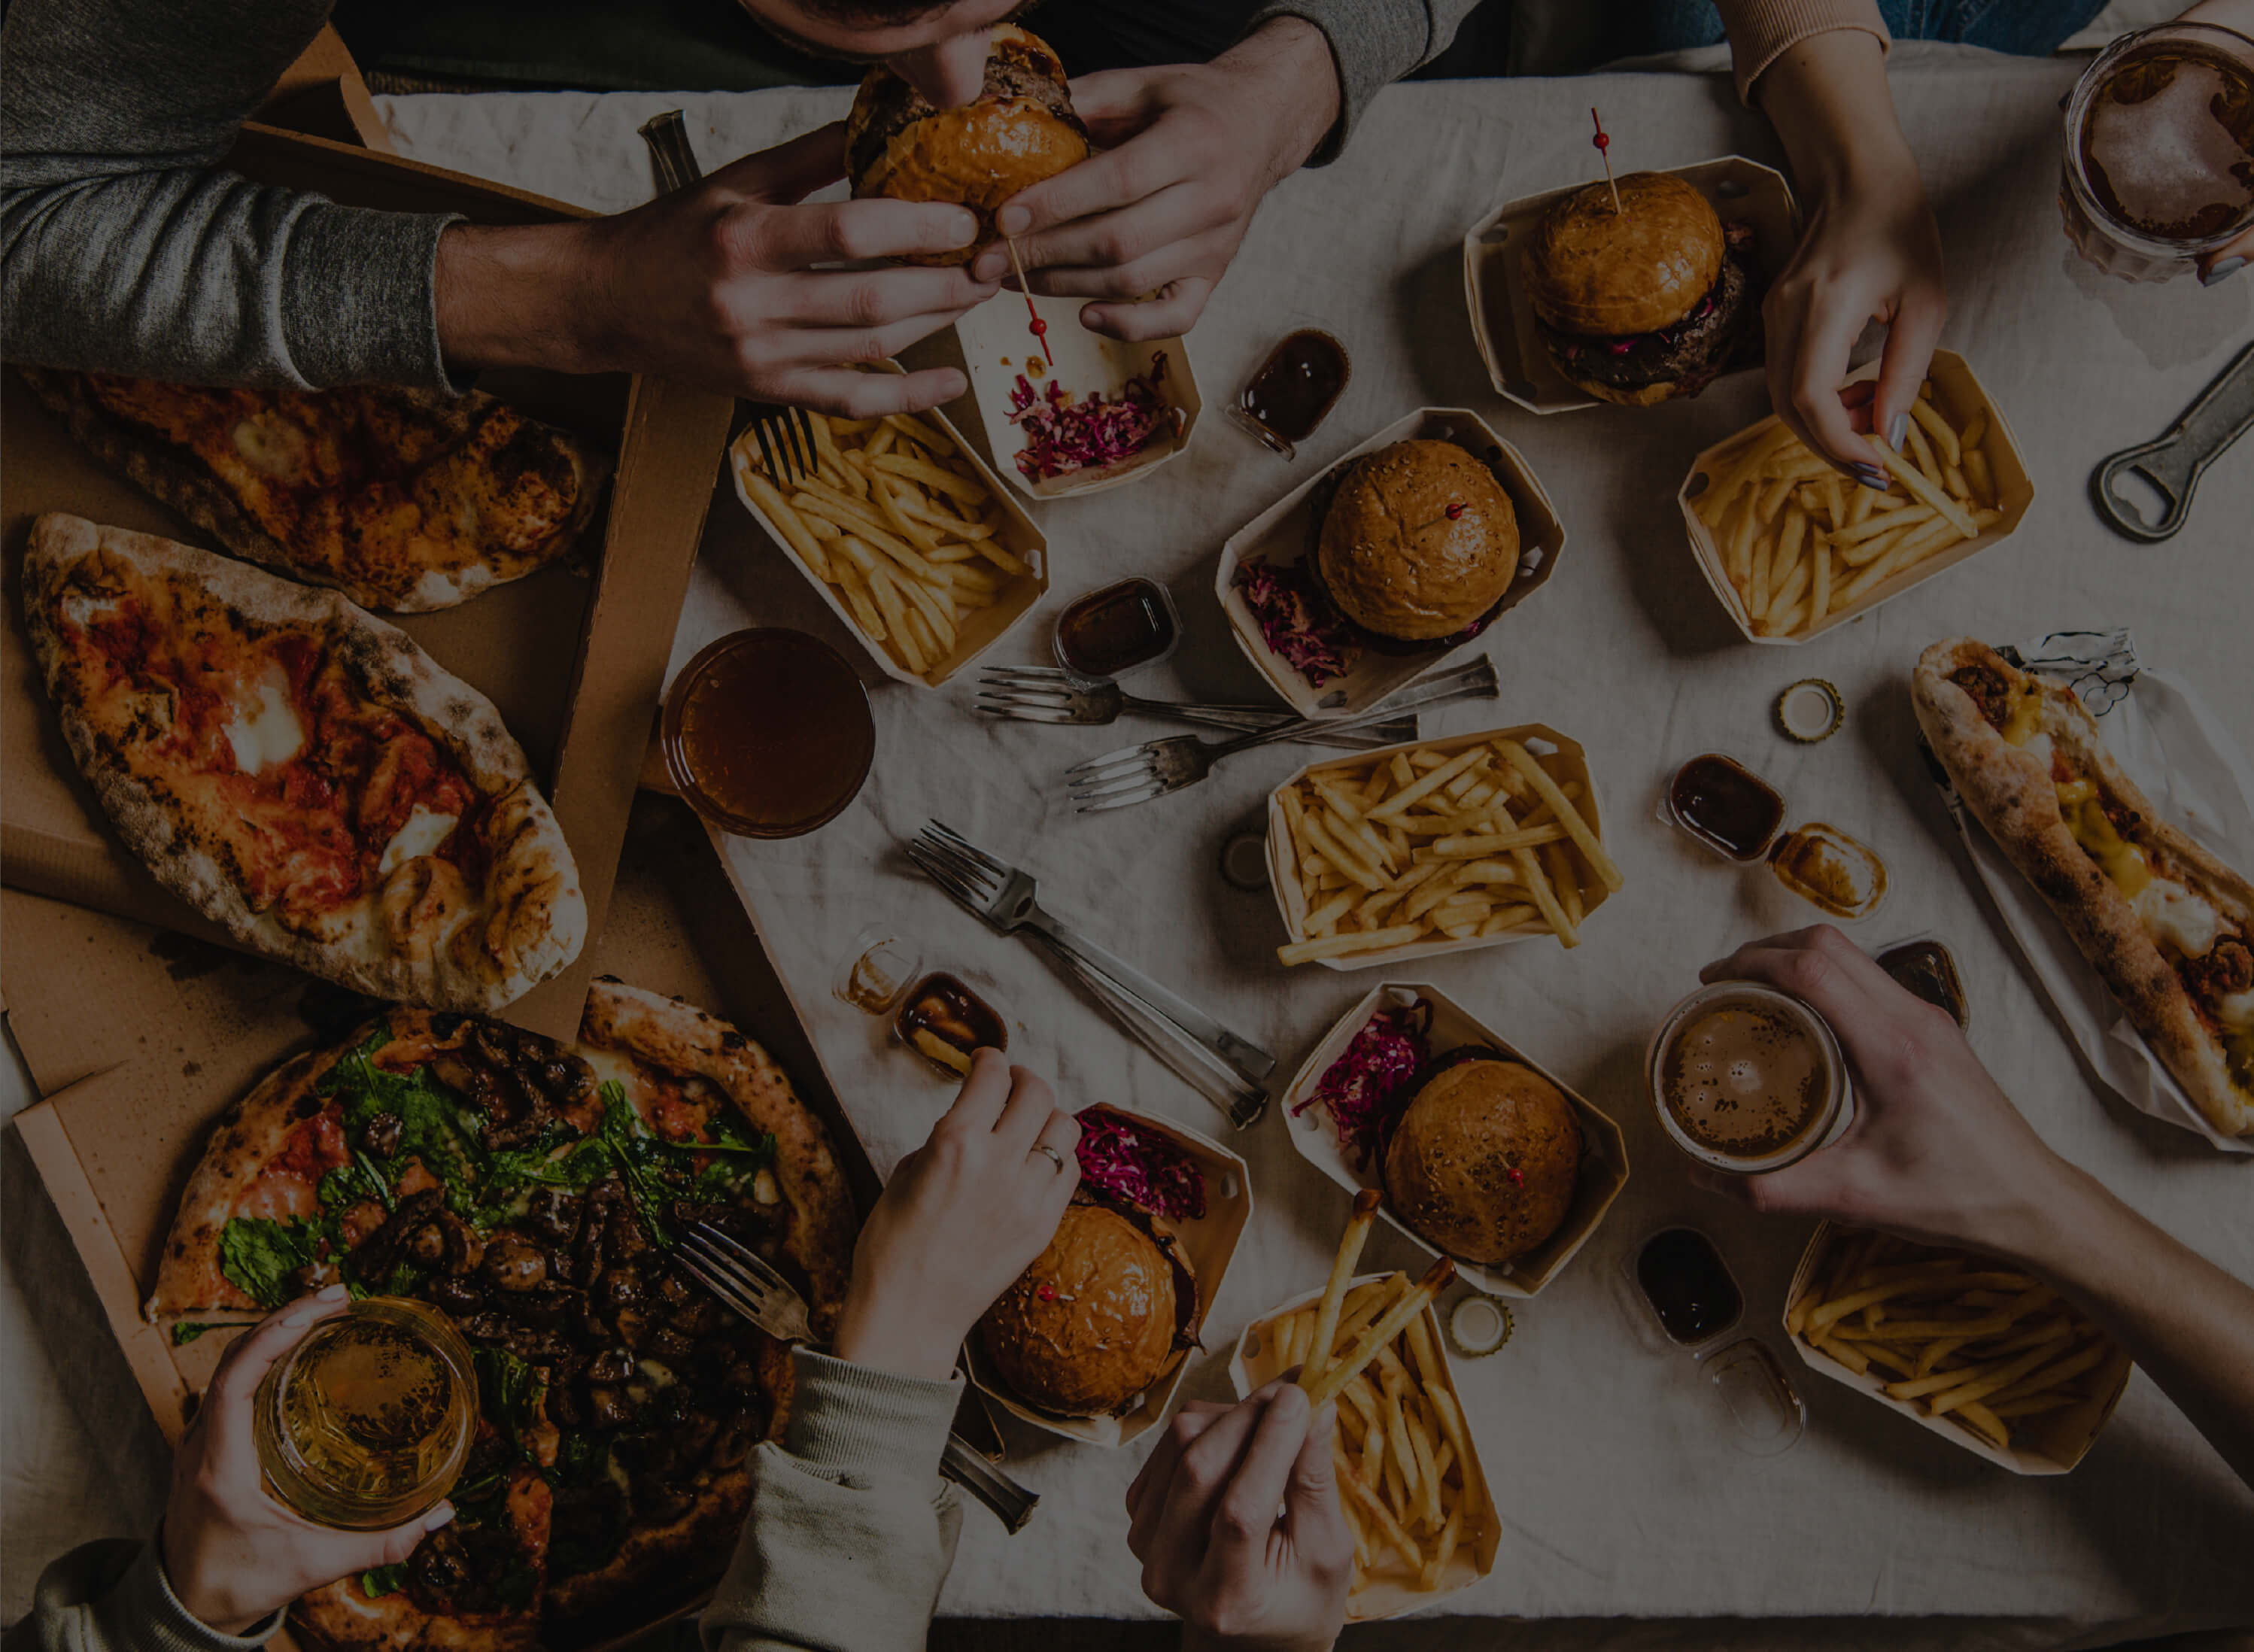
point(1483, 1163)
point(1590, 270)
point(1394, 558)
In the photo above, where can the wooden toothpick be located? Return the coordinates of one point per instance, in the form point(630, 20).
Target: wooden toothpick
point(1604, 149)
point(1040, 328)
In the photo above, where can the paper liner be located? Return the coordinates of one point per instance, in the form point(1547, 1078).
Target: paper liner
point(1502, 320)
point(978, 630)
point(1603, 1154)
point(1281, 534)
point(2056, 1440)
point(1253, 1365)
point(1208, 1242)
point(1542, 740)
point(996, 338)
point(1958, 394)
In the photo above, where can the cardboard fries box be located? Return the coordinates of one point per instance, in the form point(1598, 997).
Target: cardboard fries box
point(1502, 321)
point(1208, 1242)
point(584, 723)
point(2055, 1441)
point(1958, 394)
point(1565, 761)
point(1256, 1362)
point(1284, 532)
point(1603, 1148)
point(140, 1038)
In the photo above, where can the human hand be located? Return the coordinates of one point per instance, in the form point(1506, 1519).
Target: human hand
point(233, 1551)
point(1936, 1151)
point(715, 285)
point(962, 1216)
point(1190, 150)
point(1202, 1520)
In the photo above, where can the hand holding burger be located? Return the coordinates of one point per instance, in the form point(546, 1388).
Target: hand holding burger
point(961, 1218)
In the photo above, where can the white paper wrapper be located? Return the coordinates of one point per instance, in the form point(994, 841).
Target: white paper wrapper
point(2181, 757)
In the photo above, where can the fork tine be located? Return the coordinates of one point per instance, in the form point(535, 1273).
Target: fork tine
point(964, 846)
point(1134, 761)
point(767, 1295)
point(970, 866)
point(802, 432)
point(1124, 781)
point(1048, 698)
point(1028, 674)
point(766, 449)
point(728, 1244)
point(1124, 800)
point(946, 877)
point(1030, 713)
point(696, 1268)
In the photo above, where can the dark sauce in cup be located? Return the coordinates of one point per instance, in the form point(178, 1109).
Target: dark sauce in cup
point(1725, 806)
point(1116, 629)
point(944, 1021)
point(1688, 1287)
point(1294, 390)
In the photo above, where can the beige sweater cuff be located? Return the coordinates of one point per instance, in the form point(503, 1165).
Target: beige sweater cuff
point(1762, 30)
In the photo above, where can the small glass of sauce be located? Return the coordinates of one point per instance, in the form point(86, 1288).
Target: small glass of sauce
point(1721, 804)
point(768, 733)
point(1117, 628)
point(945, 1022)
point(1689, 1286)
point(880, 965)
point(1293, 391)
point(1928, 969)
point(1829, 870)
point(369, 1420)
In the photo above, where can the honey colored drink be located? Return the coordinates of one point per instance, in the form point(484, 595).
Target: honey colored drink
point(1746, 1079)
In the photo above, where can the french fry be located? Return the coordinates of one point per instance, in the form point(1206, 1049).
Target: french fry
point(1324, 1331)
point(1914, 480)
point(1339, 945)
point(1381, 1517)
point(1410, 1303)
point(1584, 836)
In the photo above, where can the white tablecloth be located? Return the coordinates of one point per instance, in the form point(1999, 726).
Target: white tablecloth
point(1619, 1496)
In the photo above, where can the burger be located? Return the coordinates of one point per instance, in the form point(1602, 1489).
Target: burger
point(1020, 130)
point(1482, 1162)
point(1647, 301)
point(1417, 546)
point(1104, 1312)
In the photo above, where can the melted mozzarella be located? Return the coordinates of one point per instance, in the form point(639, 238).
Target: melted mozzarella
point(2172, 912)
point(82, 610)
point(425, 831)
point(2237, 1011)
point(267, 731)
point(611, 1067)
point(2039, 747)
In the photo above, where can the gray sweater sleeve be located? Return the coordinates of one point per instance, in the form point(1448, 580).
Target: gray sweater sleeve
point(851, 1531)
point(122, 247)
point(1375, 42)
point(114, 1597)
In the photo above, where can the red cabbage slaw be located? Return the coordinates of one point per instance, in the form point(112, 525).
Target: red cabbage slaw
point(1359, 1088)
point(1122, 1160)
point(1298, 625)
point(1063, 436)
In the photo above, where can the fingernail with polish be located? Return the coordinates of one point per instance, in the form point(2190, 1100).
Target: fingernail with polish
point(1871, 477)
point(2222, 271)
point(1015, 220)
point(1897, 431)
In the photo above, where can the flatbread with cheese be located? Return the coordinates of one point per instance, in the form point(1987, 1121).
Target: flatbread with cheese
point(2167, 925)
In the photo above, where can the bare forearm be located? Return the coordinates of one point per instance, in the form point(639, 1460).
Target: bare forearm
point(1828, 101)
point(512, 297)
point(1292, 53)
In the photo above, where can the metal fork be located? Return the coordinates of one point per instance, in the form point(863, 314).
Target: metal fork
point(785, 434)
point(1137, 773)
point(743, 1281)
point(1004, 898)
point(1043, 694)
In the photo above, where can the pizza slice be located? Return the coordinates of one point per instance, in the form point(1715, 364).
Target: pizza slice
point(403, 500)
point(532, 1191)
point(2167, 925)
point(300, 772)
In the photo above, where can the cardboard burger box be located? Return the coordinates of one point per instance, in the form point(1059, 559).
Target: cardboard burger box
point(1603, 1148)
point(1208, 1242)
point(1957, 396)
point(1258, 1361)
point(1285, 532)
point(140, 1038)
point(1494, 290)
point(573, 660)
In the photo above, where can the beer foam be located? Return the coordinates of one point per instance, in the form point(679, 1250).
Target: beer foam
point(2169, 164)
point(1743, 1080)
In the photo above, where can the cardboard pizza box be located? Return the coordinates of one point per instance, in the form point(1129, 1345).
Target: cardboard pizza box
point(573, 656)
point(322, 95)
point(140, 1038)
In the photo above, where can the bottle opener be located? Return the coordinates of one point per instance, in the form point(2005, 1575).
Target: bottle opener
point(2223, 413)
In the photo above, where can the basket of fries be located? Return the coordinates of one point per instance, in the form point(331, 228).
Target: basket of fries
point(1320, 1141)
point(1413, 851)
point(1968, 1346)
point(1792, 548)
point(1410, 1479)
point(909, 538)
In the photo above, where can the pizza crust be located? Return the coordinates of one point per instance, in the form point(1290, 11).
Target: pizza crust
point(2010, 793)
point(450, 949)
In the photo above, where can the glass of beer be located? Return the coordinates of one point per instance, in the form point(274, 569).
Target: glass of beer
point(367, 1421)
point(2159, 150)
point(1746, 1079)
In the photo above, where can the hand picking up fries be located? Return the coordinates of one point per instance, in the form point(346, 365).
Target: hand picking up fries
point(1800, 543)
point(1472, 839)
point(1953, 1334)
point(898, 522)
point(1409, 1479)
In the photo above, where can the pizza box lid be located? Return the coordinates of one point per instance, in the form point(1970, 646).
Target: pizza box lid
point(1565, 759)
point(2055, 1441)
point(585, 728)
point(115, 1139)
point(1959, 394)
point(1502, 321)
point(1604, 1147)
point(1209, 1242)
point(1281, 534)
point(1255, 1364)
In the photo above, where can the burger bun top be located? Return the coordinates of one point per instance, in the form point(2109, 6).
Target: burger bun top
point(1590, 270)
point(1419, 541)
point(1484, 1161)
